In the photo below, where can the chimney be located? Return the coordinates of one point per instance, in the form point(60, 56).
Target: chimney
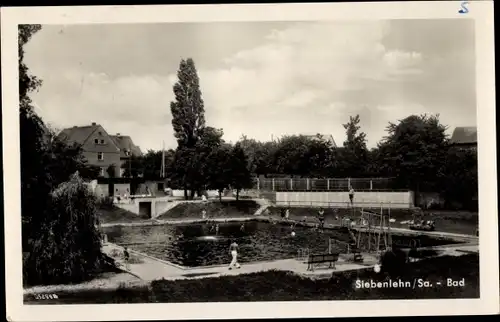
point(117, 134)
point(94, 124)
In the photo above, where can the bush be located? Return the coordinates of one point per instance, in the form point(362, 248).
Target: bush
point(68, 249)
point(393, 262)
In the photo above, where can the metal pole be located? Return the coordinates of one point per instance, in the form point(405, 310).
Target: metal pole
point(327, 184)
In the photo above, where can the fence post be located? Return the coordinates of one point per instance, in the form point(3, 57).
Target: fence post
point(371, 184)
point(327, 184)
point(307, 184)
point(348, 183)
point(258, 183)
point(291, 183)
point(272, 180)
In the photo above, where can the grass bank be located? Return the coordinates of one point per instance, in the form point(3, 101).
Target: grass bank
point(459, 222)
point(284, 286)
point(214, 209)
point(112, 214)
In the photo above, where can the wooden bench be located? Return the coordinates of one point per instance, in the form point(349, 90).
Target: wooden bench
point(320, 259)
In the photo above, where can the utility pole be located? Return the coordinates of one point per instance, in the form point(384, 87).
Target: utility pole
point(162, 169)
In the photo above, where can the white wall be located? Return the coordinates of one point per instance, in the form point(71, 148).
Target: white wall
point(341, 199)
point(180, 193)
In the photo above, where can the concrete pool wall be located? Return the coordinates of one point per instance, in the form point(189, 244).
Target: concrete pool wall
point(340, 199)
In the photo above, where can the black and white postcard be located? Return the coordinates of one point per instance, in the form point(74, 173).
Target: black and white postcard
point(248, 161)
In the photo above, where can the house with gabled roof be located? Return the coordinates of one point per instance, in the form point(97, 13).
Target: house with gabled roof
point(464, 137)
point(99, 148)
point(127, 149)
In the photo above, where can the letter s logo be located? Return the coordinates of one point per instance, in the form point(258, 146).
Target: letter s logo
point(464, 9)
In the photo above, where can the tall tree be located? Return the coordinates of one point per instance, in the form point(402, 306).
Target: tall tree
point(188, 110)
point(188, 113)
point(355, 154)
point(241, 177)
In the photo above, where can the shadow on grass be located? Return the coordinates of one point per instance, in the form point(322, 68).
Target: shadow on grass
point(214, 209)
point(285, 286)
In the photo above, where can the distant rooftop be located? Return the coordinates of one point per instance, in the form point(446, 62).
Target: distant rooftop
point(464, 135)
point(325, 137)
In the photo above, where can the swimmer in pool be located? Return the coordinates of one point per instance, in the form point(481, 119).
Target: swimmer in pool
point(216, 229)
point(242, 228)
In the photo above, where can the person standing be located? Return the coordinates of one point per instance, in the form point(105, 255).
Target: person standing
point(287, 214)
point(203, 214)
point(126, 257)
point(351, 195)
point(321, 217)
point(233, 250)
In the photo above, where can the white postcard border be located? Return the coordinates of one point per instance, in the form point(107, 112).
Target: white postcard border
point(481, 12)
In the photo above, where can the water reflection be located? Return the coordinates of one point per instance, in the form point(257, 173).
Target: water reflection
point(203, 244)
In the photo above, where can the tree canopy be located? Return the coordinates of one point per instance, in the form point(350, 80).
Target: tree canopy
point(46, 163)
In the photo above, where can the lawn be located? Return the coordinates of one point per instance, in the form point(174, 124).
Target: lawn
point(284, 286)
point(113, 214)
point(460, 222)
point(214, 209)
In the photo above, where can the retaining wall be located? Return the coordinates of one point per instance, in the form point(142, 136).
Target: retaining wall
point(341, 199)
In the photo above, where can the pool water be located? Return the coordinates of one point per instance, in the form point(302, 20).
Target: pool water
point(195, 245)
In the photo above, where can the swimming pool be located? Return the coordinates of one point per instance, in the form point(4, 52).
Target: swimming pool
point(195, 245)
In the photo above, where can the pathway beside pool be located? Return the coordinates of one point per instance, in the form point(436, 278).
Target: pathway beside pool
point(152, 268)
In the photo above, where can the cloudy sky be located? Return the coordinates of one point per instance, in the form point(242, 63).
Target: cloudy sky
point(258, 79)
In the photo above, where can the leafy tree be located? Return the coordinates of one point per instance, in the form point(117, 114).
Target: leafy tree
point(265, 158)
point(241, 177)
point(133, 167)
point(46, 162)
point(459, 179)
point(151, 163)
point(355, 154)
point(188, 116)
point(414, 152)
point(111, 171)
point(68, 248)
point(191, 167)
point(303, 156)
point(219, 177)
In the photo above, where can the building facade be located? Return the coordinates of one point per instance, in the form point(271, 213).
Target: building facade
point(127, 149)
point(99, 148)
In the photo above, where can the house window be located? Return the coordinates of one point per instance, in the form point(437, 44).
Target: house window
point(100, 156)
point(122, 172)
point(96, 141)
point(102, 141)
point(102, 171)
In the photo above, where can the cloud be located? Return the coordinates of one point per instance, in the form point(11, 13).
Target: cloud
point(306, 78)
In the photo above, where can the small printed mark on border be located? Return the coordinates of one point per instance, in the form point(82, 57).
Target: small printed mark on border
point(45, 296)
